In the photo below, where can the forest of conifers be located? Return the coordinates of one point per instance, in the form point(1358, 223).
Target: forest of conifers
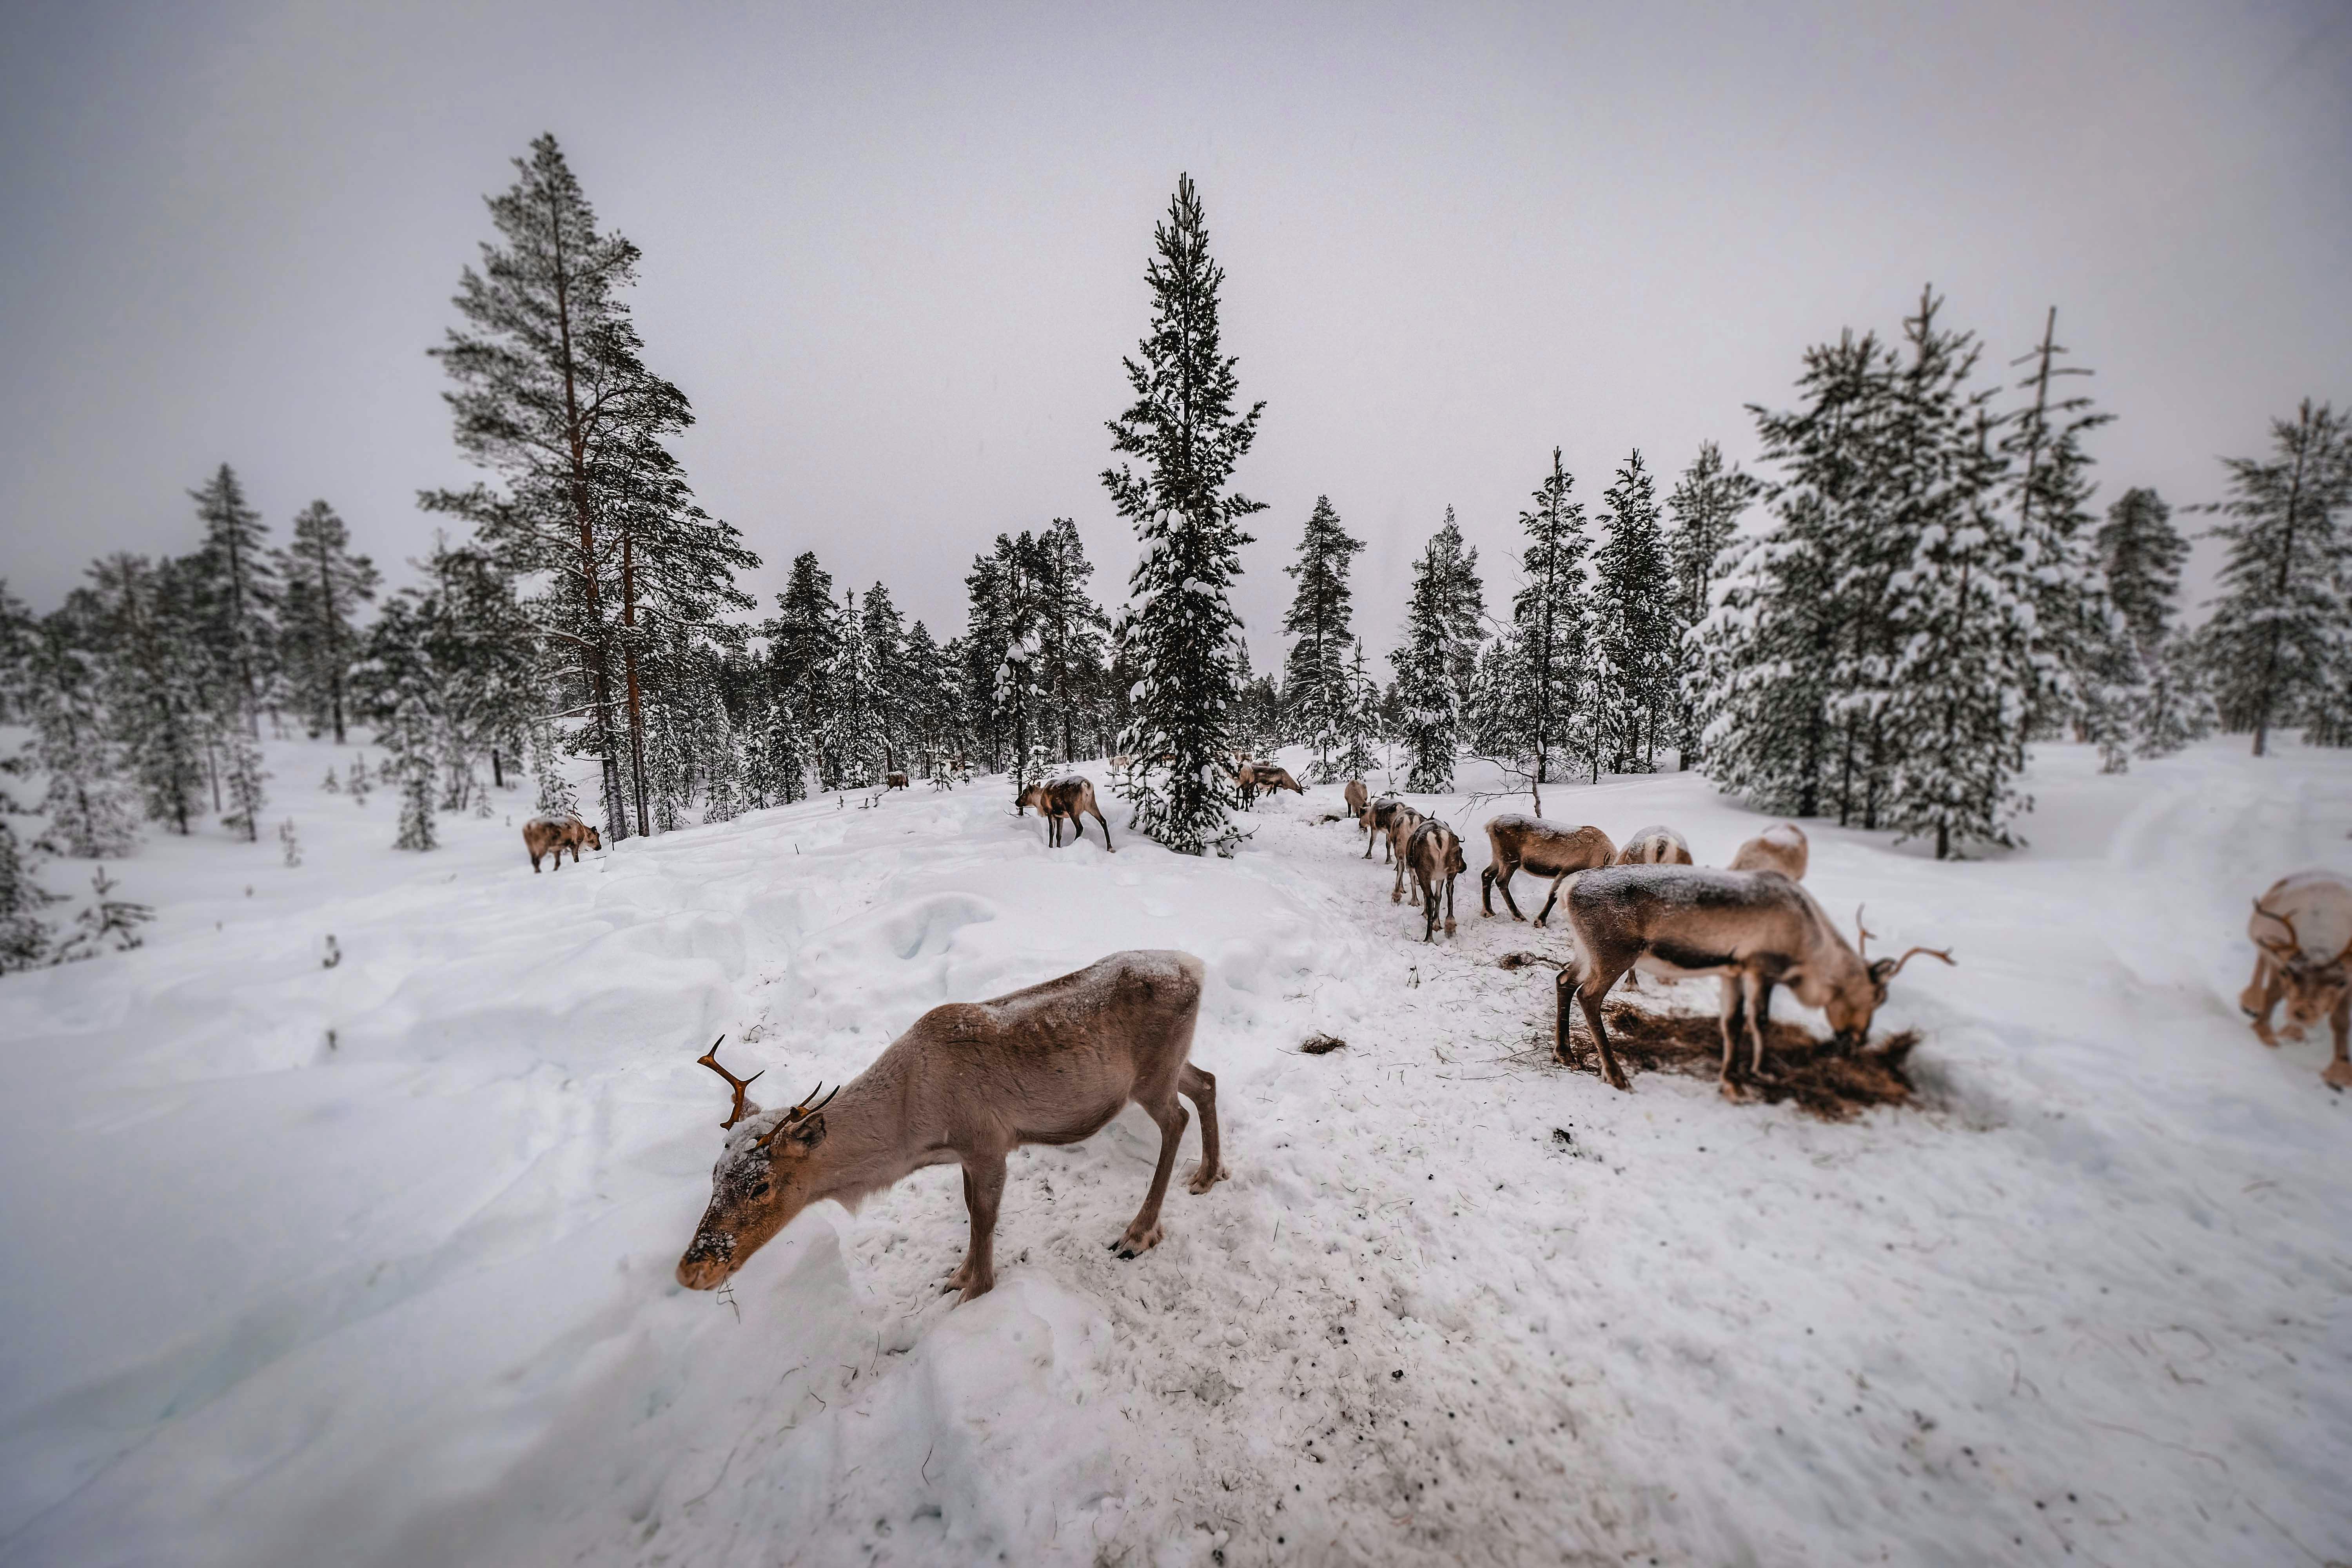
point(1922, 579)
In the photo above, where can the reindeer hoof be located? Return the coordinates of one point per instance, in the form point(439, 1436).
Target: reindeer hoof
point(2291, 1032)
point(976, 1291)
point(2337, 1076)
point(1203, 1179)
point(1733, 1089)
point(1449, 928)
point(1617, 1081)
point(1136, 1241)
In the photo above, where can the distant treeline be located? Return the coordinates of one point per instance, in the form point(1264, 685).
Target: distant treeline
point(1921, 586)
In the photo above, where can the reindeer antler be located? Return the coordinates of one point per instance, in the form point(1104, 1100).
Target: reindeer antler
point(710, 1059)
point(1864, 932)
point(1943, 952)
point(806, 1107)
point(2294, 940)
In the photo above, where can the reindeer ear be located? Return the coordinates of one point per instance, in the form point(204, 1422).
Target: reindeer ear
point(808, 1131)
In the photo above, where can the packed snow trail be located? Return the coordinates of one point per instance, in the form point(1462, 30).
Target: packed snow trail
point(372, 1263)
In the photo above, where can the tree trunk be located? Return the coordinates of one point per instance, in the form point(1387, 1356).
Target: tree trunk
point(2278, 591)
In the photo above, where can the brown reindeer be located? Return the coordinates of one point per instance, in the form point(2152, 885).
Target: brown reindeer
point(1402, 824)
point(1375, 818)
point(1514, 841)
point(1754, 929)
point(1355, 797)
point(1654, 847)
point(1071, 798)
point(1780, 847)
point(543, 834)
point(893, 780)
point(1255, 779)
point(2297, 927)
point(968, 1084)
point(1434, 854)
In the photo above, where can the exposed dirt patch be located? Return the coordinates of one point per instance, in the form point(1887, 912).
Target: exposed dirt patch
point(1824, 1080)
point(1320, 1045)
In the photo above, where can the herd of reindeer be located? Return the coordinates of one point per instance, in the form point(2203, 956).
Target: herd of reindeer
point(972, 1081)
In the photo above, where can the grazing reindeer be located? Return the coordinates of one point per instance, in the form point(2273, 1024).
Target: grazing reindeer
point(1755, 929)
point(969, 1083)
point(1546, 848)
point(1434, 853)
point(1255, 779)
point(1403, 823)
point(1375, 819)
point(1654, 847)
point(893, 780)
point(1355, 797)
point(1780, 847)
point(1072, 798)
point(2295, 926)
point(542, 833)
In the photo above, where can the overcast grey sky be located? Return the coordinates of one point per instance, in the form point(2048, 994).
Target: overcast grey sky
point(894, 254)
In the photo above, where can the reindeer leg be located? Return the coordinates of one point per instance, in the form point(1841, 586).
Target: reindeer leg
point(1449, 906)
point(1590, 998)
point(1760, 1018)
point(1396, 894)
point(1735, 1013)
point(1200, 1086)
point(1428, 907)
point(984, 1189)
point(2339, 1071)
point(1545, 913)
point(1503, 885)
point(1143, 1234)
point(962, 1275)
point(2259, 998)
point(1104, 825)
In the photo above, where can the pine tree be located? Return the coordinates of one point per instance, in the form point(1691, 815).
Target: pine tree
point(723, 799)
point(925, 691)
point(552, 394)
point(2279, 644)
point(886, 646)
point(1184, 430)
point(801, 638)
point(779, 761)
point(240, 586)
point(1359, 723)
point(1635, 622)
point(154, 680)
point(1705, 506)
point(90, 812)
point(2087, 671)
point(410, 735)
point(242, 775)
point(1316, 675)
point(1551, 674)
point(325, 584)
point(2142, 553)
point(851, 754)
point(25, 933)
point(555, 796)
point(1429, 689)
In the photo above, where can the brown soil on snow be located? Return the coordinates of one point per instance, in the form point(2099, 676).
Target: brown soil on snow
point(1823, 1080)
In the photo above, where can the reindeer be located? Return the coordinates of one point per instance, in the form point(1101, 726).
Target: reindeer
point(1255, 779)
point(1355, 797)
point(1780, 847)
point(893, 780)
point(1375, 818)
point(1072, 797)
point(1434, 854)
point(1402, 825)
point(1756, 930)
point(542, 833)
point(1515, 840)
point(1654, 847)
point(971, 1082)
point(2295, 926)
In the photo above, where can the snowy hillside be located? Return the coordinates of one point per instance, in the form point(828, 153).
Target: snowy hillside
point(372, 1263)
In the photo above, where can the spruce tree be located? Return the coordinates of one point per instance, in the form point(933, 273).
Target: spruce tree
point(242, 777)
point(1551, 619)
point(2278, 647)
point(155, 681)
point(90, 811)
point(24, 932)
point(1360, 722)
point(1705, 505)
point(241, 588)
point(1428, 691)
point(852, 751)
point(886, 646)
point(325, 584)
point(1635, 622)
point(800, 637)
point(1186, 433)
point(554, 795)
point(2142, 554)
point(1315, 677)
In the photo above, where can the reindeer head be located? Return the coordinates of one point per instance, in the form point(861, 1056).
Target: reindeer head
point(596, 842)
point(1856, 999)
point(763, 1179)
point(1035, 795)
point(2314, 987)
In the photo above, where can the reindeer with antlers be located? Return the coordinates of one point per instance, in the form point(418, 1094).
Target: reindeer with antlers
point(2295, 927)
point(968, 1084)
point(1753, 929)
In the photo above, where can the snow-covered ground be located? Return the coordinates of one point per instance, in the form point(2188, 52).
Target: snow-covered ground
point(372, 1263)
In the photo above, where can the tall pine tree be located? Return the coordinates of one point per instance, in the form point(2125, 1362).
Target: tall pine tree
point(2279, 644)
point(2142, 553)
point(1552, 618)
point(1705, 505)
point(240, 587)
point(1636, 627)
point(1436, 662)
point(1186, 434)
point(325, 584)
point(1315, 677)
